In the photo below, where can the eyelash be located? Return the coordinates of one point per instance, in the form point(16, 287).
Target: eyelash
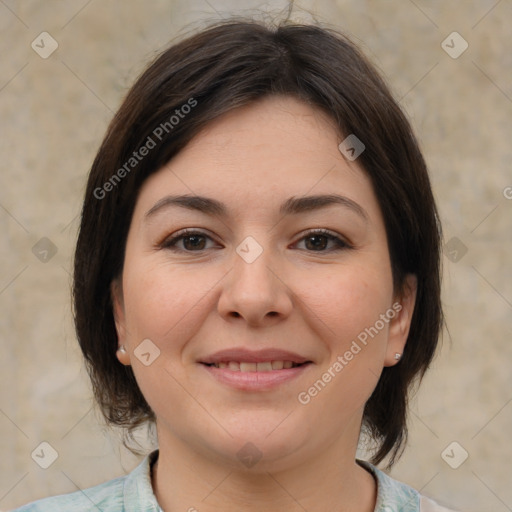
point(170, 243)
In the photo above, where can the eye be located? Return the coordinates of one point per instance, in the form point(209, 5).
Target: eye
point(317, 240)
point(193, 241)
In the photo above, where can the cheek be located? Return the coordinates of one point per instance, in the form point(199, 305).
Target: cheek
point(349, 306)
point(165, 304)
point(350, 300)
point(168, 307)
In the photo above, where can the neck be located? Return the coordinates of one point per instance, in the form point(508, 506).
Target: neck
point(185, 480)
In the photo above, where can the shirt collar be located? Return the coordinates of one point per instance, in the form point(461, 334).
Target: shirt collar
point(138, 493)
point(392, 496)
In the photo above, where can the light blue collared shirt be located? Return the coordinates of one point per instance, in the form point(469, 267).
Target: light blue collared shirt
point(134, 493)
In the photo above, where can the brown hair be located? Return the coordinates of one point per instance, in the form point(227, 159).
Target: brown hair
point(223, 67)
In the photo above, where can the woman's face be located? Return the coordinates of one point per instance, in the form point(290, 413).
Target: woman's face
point(284, 263)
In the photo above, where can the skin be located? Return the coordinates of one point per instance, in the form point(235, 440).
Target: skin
point(191, 303)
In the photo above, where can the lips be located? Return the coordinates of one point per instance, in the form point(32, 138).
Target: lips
point(261, 370)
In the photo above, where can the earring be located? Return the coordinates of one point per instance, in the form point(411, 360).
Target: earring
point(398, 356)
point(122, 349)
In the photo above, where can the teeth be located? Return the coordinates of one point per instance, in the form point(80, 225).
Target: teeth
point(248, 367)
point(266, 366)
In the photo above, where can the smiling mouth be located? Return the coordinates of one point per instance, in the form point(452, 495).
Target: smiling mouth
point(266, 366)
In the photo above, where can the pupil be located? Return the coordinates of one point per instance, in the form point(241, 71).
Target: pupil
point(195, 243)
point(318, 244)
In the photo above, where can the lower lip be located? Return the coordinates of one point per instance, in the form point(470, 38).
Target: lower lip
point(255, 381)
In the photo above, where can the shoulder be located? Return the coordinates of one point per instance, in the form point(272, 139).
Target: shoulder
point(395, 495)
point(129, 493)
point(107, 497)
point(428, 505)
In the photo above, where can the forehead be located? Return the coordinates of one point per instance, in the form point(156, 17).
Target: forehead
point(259, 154)
point(277, 129)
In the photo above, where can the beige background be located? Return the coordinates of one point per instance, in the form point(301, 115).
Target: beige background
point(54, 112)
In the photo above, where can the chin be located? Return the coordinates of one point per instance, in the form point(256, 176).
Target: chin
point(260, 447)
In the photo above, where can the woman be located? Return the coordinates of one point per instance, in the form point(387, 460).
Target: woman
point(257, 273)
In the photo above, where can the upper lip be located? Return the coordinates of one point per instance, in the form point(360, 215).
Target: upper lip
point(254, 356)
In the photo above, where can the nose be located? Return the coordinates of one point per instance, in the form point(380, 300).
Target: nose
point(255, 292)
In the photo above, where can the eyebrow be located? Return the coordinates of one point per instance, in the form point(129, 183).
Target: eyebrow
point(292, 206)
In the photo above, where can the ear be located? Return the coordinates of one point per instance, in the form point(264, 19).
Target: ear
point(400, 324)
point(116, 293)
